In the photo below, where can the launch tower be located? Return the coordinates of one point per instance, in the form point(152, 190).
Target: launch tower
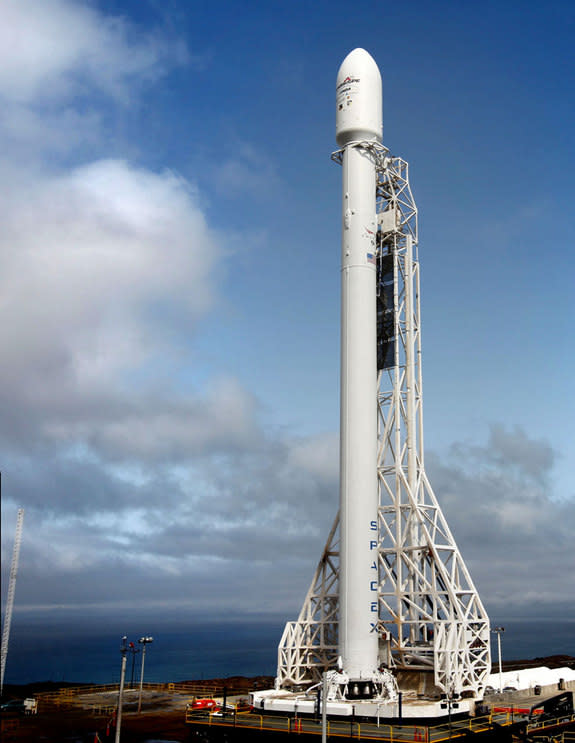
point(391, 607)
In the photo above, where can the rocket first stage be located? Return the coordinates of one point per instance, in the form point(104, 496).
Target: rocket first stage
point(358, 121)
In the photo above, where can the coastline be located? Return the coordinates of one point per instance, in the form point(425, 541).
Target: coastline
point(163, 710)
point(246, 683)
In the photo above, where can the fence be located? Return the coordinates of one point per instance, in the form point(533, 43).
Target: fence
point(343, 728)
point(79, 696)
point(68, 694)
point(369, 730)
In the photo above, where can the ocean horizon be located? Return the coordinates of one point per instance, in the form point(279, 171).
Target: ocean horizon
point(88, 651)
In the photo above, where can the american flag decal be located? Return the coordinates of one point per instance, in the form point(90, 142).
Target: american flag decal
point(371, 258)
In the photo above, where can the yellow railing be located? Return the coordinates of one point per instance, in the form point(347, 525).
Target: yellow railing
point(549, 723)
point(69, 695)
point(353, 729)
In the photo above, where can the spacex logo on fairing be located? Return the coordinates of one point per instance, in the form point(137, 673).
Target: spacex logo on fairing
point(347, 81)
point(345, 88)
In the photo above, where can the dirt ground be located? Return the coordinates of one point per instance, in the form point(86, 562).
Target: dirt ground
point(162, 717)
point(71, 725)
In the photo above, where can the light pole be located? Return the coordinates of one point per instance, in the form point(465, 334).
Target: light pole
point(450, 704)
point(324, 708)
point(134, 650)
point(123, 650)
point(143, 642)
point(498, 631)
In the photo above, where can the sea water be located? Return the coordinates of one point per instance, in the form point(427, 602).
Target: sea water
point(87, 649)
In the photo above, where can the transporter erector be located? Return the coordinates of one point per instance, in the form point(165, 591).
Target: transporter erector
point(392, 625)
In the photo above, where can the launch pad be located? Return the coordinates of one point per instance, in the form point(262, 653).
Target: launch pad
point(392, 639)
point(407, 708)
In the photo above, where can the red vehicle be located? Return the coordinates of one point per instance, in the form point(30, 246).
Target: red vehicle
point(206, 705)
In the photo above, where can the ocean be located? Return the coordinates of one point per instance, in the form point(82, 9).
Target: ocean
point(88, 649)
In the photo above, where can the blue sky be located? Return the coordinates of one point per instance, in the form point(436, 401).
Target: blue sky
point(170, 292)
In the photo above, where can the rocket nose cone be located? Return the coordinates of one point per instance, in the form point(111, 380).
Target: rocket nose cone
point(358, 98)
point(359, 63)
point(359, 58)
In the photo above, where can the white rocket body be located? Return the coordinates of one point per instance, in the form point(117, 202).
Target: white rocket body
point(358, 118)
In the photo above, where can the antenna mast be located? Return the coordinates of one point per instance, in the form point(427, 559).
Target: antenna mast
point(10, 599)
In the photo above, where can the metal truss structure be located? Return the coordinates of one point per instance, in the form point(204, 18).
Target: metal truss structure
point(430, 618)
point(10, 596)
point(309, 646)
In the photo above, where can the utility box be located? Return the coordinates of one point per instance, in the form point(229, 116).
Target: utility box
point(388, 221)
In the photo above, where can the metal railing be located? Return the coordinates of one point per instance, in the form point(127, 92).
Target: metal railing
point(350, 728)
point(552, 722)
point(69, 694)
point(83, 696)
point(447, 730)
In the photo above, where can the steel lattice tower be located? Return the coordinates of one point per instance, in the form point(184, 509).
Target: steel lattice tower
point(432, 628)
point(10, 596)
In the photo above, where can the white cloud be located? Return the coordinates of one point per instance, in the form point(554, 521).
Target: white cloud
point(319, 456)
point(87, 258)
point(498, 502)
point(244, 515)
point(51, 50)
point(255, 513)
point(63, 67)
point(154, 426)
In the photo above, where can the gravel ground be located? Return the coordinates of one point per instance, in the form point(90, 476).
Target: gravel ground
point(76, 726)
point(162, 718)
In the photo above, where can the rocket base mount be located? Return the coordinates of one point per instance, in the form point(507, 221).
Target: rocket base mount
point(408, 708)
